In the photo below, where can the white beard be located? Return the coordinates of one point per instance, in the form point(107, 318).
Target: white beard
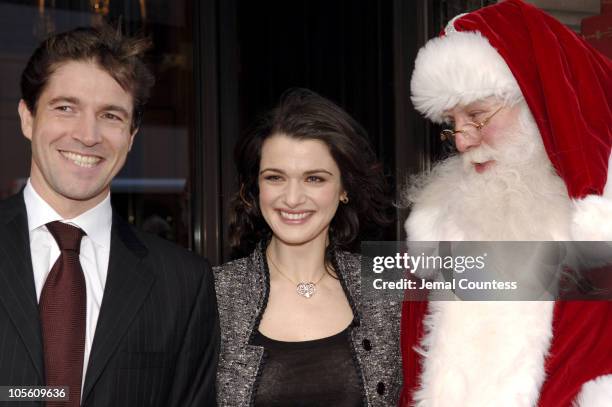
point(519, 198)
point(488, 353)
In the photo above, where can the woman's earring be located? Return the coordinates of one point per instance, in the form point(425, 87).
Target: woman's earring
point(344, 199)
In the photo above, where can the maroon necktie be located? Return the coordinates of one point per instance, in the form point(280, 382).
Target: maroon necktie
point(62, 309)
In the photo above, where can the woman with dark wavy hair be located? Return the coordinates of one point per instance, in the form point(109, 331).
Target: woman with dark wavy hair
point(295, 328)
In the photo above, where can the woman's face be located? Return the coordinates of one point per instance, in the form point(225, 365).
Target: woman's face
point(299, 188)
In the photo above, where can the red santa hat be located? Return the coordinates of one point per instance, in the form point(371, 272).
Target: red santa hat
point(512, 50)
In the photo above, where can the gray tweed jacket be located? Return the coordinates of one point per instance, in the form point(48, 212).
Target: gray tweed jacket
point(242, 294)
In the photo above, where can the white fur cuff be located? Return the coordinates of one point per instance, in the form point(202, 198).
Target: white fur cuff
point(592, 219)
point(596, 393)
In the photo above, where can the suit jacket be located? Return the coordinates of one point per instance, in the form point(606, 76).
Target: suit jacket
point(157, 336)
point(242, 291)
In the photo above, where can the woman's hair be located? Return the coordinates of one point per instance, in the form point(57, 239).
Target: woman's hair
point(304, 115)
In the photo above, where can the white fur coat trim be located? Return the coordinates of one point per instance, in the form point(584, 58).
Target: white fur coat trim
point(482, 354)
point(596, 393)
point(445, 75)
point(592, 218)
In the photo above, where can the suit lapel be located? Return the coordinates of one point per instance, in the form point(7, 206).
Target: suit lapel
point(128, 283)
point(17, 290)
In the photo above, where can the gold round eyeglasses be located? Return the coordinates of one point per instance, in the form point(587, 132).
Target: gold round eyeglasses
point(449, 135)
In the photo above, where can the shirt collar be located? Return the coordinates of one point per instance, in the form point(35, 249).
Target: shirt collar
point(96, 222)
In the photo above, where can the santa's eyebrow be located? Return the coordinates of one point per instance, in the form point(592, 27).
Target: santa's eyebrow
point(478, 105)
point(476, 109)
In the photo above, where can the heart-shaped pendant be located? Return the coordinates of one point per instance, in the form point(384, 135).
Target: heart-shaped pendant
point(306, 290)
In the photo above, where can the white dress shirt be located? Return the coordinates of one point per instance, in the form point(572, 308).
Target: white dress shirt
point(94, 254)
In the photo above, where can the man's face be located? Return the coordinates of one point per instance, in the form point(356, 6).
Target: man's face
point(482, 149)
point(80, 134)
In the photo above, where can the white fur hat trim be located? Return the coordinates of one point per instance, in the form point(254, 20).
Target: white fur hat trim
point(458, 69)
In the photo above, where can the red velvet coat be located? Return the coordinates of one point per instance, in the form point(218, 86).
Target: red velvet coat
point(581, 349)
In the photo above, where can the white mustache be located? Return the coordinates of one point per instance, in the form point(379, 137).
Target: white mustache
point(481, 154)
point(517, 147)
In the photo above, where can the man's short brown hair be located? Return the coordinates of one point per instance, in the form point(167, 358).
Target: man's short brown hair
point(120, 56)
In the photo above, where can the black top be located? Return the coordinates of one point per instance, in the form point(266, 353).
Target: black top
point(320, 372)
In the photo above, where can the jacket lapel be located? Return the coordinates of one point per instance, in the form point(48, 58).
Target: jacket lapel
point(17, 291)
point(350, 285)
point(128, 283)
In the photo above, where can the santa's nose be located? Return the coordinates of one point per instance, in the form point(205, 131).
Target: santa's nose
point(465, 141)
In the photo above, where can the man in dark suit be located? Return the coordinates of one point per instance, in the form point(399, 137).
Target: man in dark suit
point(86, 301)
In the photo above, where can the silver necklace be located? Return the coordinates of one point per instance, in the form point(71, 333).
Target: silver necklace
point(305, 289)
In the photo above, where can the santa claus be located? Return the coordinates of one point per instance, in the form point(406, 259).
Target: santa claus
point(528, 108)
